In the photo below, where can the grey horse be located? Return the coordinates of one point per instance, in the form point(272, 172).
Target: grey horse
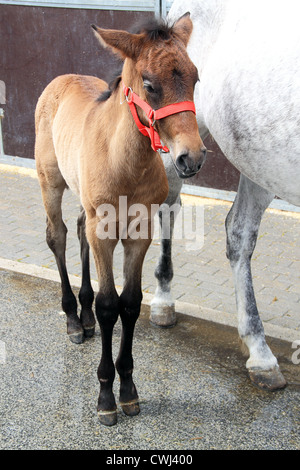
point(248, 98)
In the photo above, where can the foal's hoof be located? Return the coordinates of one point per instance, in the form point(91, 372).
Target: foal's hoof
point(163, 316)
point(76, 338)
point(75, 329)
point(89, 332)
point(87, 320)
point(132, 408)
point(269, 380)
point(108, 418)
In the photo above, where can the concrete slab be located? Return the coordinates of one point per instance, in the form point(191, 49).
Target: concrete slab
point(194, 390)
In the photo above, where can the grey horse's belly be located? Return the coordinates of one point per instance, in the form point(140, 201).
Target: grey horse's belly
point(257, 131)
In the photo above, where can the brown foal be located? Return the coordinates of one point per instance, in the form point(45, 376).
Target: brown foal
point(87, 140)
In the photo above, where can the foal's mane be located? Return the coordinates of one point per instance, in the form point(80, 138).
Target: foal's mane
point(153, 30)
point(113, 86)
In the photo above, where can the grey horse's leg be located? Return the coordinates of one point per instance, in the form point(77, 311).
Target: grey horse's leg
point(242, 225)
point(162, 306)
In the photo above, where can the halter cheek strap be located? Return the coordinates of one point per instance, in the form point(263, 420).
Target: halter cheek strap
point(153, 115)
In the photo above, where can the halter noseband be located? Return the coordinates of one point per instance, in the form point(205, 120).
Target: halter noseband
point(153, 115)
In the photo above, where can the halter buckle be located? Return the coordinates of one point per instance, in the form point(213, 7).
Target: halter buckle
point(127, 95)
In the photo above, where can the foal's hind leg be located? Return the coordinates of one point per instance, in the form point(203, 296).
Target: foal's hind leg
point(52, 187)
point(242, 225)
point(86, 293)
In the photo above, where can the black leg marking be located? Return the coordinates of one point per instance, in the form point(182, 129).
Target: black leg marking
point(86, 294)
point(56, 239)
point(107, 312)
point(129, 314)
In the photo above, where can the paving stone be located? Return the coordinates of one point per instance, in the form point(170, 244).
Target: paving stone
point(201, 276)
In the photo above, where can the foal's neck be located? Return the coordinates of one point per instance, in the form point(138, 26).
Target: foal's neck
point(127, 145)
point(135, 169)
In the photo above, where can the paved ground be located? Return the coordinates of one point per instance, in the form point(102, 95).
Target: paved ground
point(202, 282)
point(192, 383)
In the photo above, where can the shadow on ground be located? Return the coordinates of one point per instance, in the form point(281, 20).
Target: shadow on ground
point(192, 382)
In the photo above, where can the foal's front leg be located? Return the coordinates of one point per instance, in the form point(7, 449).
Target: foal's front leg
point(107, 312)
point(131, 298)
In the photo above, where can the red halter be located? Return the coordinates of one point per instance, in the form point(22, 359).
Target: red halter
point(154, 115)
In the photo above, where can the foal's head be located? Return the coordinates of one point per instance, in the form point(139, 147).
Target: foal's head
point(158, 69)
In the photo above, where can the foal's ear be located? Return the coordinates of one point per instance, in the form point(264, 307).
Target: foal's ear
point(121, 42)
point(183, 28)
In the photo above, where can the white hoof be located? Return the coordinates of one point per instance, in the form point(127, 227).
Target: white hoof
point(163, 311)
point(269, 380)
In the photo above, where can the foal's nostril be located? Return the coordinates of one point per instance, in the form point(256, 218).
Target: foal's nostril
point(181, 162)
point(189, 164)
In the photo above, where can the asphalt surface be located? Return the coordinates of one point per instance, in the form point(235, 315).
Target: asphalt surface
point(193, 386)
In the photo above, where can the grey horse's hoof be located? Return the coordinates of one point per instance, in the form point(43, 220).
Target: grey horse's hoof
point(270, 380)
point(163, 316)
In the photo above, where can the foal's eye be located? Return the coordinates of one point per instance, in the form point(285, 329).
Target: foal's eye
point(148, 87)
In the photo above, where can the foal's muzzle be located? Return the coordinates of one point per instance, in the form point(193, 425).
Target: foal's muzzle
point(187, 164)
